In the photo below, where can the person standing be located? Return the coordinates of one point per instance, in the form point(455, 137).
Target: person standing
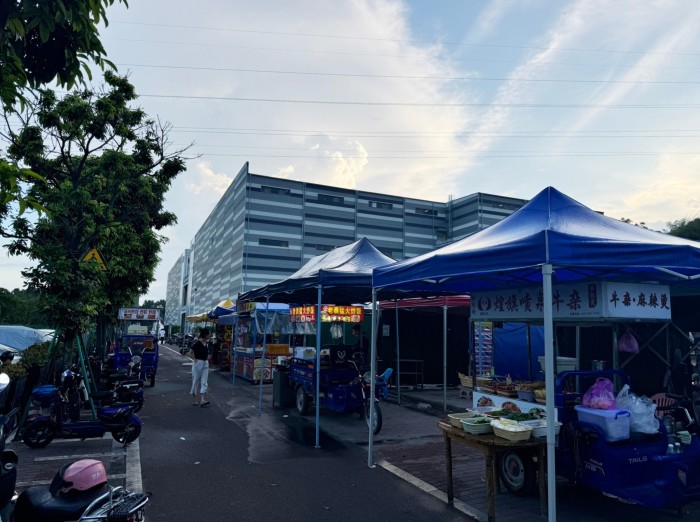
point(200, 369)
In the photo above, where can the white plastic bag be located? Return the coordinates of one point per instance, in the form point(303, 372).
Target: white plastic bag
point(642, 410)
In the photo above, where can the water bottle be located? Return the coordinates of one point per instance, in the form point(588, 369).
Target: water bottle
point(677, 447)
point(669, 450)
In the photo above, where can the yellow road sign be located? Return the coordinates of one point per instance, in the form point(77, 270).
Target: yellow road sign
point(94, 255)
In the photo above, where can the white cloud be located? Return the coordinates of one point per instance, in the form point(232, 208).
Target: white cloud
point(207, 181)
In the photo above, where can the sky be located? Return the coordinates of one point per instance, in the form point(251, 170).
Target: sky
point(420, 98)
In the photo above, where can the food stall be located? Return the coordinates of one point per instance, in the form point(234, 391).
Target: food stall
point(610, 303)
point(552, 240)
point(255, 324)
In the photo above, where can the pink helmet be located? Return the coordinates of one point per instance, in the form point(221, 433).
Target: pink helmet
point(83, 475)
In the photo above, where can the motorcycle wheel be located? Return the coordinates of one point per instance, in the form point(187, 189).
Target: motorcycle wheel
point(376, 424)
point(302, 401)
point(130, 434)
point(39, 433)
point(517, 472)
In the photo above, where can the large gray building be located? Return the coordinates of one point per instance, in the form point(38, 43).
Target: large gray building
point(263, 229)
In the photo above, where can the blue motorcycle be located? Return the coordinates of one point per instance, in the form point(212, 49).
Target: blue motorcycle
point(54, 421)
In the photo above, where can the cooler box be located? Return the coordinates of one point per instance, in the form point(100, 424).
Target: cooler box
point(614, 423)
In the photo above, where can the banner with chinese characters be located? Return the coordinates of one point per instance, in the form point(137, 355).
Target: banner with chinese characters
point(583, 301)
point(245, 306)
point(139, 314)
point(329, 313)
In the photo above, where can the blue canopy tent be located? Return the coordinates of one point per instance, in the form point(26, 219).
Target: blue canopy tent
point(342, 276)
point(553, 237)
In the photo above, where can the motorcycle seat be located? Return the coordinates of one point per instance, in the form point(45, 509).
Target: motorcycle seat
point(37, 503)
point(101, 395)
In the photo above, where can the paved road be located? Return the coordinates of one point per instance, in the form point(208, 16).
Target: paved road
point(226, 462)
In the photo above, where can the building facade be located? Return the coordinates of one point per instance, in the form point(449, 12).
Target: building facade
point(263, 229)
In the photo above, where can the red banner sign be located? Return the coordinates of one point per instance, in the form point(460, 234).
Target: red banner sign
point(329, 313)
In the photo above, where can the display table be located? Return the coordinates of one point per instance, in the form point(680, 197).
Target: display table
point(491, 445)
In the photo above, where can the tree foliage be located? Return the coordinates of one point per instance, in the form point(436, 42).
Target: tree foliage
point(43, 40)
point(689, 229)
point(106, 170)
point(21, 307)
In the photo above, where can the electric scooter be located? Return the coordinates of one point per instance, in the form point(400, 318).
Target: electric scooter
point(79, 491)
point(120, 420)
point(74, 392)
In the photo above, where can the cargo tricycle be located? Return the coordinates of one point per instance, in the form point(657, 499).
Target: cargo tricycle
point(596, 449)
point(138, 354)
point(343, 385)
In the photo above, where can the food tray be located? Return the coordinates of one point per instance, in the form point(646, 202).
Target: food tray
point(476, 429)
point(456, 418)
point(540, 401)
point(539, 427)
point(488, 389)
point(522, 432)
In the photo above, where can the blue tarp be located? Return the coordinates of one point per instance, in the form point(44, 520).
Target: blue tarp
point(20, 337)
point(509, 355)
point(345, 275)
point(552, 228)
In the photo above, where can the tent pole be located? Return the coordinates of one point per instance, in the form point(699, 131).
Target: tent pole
point(549, 386)
point(262, 361)
point(234, 340)
point(398, 352)
point(444, 358)
point(529, 352)
point(318, 367)
point(373, 379)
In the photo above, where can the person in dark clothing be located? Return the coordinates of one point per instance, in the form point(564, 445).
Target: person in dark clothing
point(200, 368)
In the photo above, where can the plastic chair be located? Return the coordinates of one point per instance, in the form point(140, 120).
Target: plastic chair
point(663, 404)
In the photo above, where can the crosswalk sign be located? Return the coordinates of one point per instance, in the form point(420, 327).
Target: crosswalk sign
point(94, 255)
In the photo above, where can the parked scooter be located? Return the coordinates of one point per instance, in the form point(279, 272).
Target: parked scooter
point(74, 392)
point(79, 491)
point(120, 420)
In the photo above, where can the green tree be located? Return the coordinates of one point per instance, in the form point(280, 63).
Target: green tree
point(46, 40)
point(107, 171)
point(21, 307)
point(689, 229)
point(42, 41)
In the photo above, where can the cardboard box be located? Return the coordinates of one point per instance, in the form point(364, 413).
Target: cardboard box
point(614, 423)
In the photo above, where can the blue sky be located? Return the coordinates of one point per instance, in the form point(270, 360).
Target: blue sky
point(426, 99)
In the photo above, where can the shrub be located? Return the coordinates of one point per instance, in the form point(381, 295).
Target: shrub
point(13, 371)
point(35, 355)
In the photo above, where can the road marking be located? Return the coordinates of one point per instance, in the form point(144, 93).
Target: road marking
point(432, 490)
point(73, 456)
point(133, 464)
